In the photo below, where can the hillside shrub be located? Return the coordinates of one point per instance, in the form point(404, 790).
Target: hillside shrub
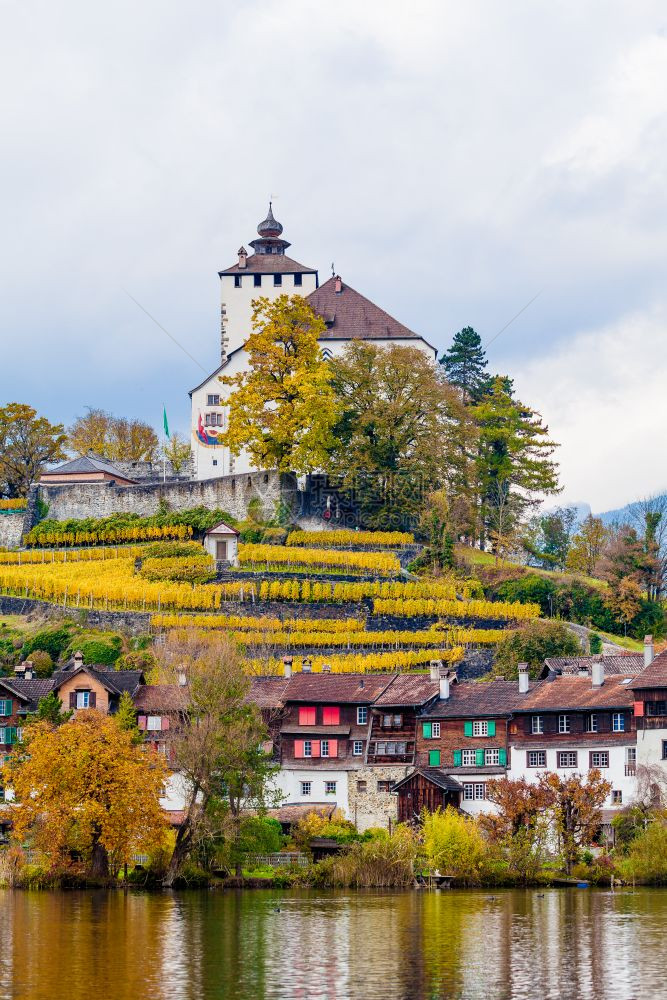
point(54, 640)
point(42, 664)
point(646, 860)
point(532, 643)
point(274, 536)
point(97, 647)
point(455, 845)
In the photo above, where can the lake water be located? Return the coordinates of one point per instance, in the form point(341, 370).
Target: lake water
point(333, 945)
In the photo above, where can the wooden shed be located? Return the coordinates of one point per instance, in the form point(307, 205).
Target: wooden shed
point(425, 788)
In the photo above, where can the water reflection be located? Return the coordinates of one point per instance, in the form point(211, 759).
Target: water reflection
point(394, 946)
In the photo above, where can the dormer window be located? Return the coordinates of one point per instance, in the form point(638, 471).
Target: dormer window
point(83, 698)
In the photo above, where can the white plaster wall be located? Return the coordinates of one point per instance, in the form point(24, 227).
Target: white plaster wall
point(173, 797)
point(615, 773)
point(238, 301)
point(336, 347)
point(288, 782)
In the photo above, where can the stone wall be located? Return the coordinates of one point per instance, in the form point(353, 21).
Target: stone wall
point(229, 493)
point(134, 622)
point(368, 806)
point(11, 529)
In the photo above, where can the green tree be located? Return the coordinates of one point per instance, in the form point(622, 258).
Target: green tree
point(126, 717)
point(587, 546)
point(647, 854)
point(403, 433)
point(514, 464)
point(28, 444)
point(465, 363)
point(532, 644)
point(551, 542)
point(50, 709)
point(282, 409)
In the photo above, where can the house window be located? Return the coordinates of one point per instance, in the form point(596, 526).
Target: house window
point(566, 758)
point(474, 790)
point(257, 280)
point(361, 786)
point(435, 729)
point(631, 755)
point(153, 722)
point(215, 461)
point(491, 757)
point(307, 715)
point(298, 280)
point(307, 748)
point(563, 723)
point(306, 787)
point(664, 749)
point(331, 715)
point(82, 699)
point(212, 400)
point(277, 279)
point(329, 787)
point(656, 707)
point(468, 758)
point(214, 419)
point(617, 798)
point(384, 786)
point(19, 734)
point(380, 749)
point(480, 729)
point(362, 715)
point(592, 723)
point(391, 749)
point(237, 281)
point(386, 721)
point(324, 748)
point(536, 758)
point(537, 725)
point(618, 722)
point(600, 758)
point(358, 748)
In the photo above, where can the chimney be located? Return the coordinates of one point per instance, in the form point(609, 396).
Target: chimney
point(28, 671)
point(597, 671)
point(287, 666)
point(306, 665)
point(182, 679)
point(19, 669)
point(78, 658)
point(524, 678)
point(243, 257)
point(338, 284)
point(444, 688)
point(434, 670)
point(648, 650)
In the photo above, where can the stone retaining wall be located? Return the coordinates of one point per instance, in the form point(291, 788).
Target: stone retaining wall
point(11, 530)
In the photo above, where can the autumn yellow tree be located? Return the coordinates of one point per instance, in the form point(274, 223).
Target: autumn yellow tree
point(282, 408)
point(85, 789)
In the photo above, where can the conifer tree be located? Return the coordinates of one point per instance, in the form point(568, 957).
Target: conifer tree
point(465, 364)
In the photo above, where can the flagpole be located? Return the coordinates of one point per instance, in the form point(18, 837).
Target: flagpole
point(164, 443)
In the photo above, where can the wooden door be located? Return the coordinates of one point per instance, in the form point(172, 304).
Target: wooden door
point(220, 550)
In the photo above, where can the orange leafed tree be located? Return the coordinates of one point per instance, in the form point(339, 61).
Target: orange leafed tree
point(85, 787)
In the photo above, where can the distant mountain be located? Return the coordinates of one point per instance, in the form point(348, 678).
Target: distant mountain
point(621, 514)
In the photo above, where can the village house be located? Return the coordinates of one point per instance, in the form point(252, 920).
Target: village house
point(572, 724)
point(88, 468)
point(649, 692)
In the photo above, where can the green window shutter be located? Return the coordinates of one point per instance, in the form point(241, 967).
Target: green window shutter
point(434, 758)
point(11, 733)
point(467, 728)
point(491, 727)
point(457, 758)
point(427, 730)
point(502, 757)
point(479, 758)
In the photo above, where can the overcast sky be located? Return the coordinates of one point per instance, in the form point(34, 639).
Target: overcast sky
point(453, 159)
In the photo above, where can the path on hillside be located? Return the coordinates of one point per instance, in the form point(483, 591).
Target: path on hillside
point(582, 632)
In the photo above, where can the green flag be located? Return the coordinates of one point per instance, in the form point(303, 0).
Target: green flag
point(164, 417)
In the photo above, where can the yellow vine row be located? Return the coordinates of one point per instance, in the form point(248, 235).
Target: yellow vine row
point(283, 556)
point(344, 537)
point(510, 610)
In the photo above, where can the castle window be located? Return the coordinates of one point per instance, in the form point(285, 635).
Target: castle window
point(212, 400)
point(277, 279)
point(257, 280)
point(215, 461)
point(298, 279)
point(237, 281)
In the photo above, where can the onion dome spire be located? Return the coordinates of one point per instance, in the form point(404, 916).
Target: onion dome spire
point(270, 226)
point(270, 235)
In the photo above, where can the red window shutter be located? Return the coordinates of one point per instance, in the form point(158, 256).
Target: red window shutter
point(307, 715)
point(298, 748)
point(639, 709)
point(316, 752)
point(331, 716)
point(165, 722)
point(72, 699)
point(92, 700)
point(333, 748)
point(141, 722)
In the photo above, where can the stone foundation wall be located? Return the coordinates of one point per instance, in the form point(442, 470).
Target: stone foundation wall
point(229, 493)
point(371, 807)
point(135, 622)
point(11, 529)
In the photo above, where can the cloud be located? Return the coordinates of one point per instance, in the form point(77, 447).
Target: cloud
point(451, 159)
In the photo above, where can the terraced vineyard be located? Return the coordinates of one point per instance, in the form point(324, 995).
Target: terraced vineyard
point(370, 624)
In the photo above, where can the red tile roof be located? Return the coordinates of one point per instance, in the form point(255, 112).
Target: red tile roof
point(408, 689)
point(481, 698)
point(269, 263)
point(353, 689)
point(617, 663)
point(654, 676)
point(161, 698)
point(569, 692)
point(348, 314)
point(267, 692)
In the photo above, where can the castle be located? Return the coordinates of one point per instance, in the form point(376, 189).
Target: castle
point(269, 272)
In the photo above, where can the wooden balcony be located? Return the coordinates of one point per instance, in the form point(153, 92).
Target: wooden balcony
point(647, 722)
point(630, 770)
